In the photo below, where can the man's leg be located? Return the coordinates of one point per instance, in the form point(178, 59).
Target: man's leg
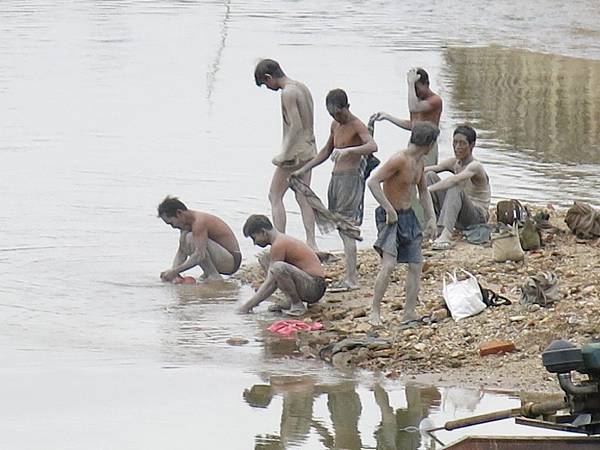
point(210, 271)
point(388, 263)
point(451, 207)
point(438, 196)
point(308, 215)
point(279, 186)
point(351, 278)
point(223, 261)
point(297, 285)
point(413, 284)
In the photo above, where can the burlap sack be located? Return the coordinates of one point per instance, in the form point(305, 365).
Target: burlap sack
point(506, 245)
point(583, 221)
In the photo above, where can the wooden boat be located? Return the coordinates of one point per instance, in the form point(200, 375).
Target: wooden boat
point(526, 443)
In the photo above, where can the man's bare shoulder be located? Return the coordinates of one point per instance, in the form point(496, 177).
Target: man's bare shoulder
point(359, 125)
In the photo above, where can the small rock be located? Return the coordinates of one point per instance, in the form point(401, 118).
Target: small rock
point(237, 341)
point(516, 318)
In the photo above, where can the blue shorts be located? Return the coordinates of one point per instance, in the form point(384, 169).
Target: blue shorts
point(401, 239)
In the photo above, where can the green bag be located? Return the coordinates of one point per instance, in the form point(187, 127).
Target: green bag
point(530, 236)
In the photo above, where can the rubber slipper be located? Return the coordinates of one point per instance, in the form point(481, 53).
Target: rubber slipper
point(295, 312)
point(442, 245)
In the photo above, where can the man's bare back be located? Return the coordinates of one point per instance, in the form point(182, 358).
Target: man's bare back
point(216, 230)
point(292, 251)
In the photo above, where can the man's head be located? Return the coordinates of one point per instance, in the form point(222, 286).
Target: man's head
point(171, 211)
point(463, 141)
point(337, 103)
point(267, 72)
point(424, 134)
point(422, 85)
point(258, 228)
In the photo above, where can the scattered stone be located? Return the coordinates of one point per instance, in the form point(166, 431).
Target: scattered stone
point(237, 341)
point(494, 347)
point(516, 318)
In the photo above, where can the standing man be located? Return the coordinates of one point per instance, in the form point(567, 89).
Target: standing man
point(204, 240)
point(423, 104)
point(399, 234)
point(298, 145)
point(348, 145)
point(292, 266)
point(463, 198)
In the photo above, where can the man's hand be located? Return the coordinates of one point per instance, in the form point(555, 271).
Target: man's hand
point(412, 76)
point(391, 217)
point(168, 275)
point(430, 229)
point(339, 153)
point(243, 310)
point(379, 116)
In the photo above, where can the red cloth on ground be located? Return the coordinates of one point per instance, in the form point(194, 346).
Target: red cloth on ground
point(290, 326)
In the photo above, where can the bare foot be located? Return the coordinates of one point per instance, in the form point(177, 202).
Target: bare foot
point(409, 316)
point(296, 310)
point(375, 319)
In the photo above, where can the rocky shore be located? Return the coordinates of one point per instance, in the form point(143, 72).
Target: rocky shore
point(441, 350)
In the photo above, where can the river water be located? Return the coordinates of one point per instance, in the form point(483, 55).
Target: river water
point(107, 106)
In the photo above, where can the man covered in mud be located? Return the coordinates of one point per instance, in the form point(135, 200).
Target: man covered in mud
point(205, 240)
point(399, 234)
point(348, 146)
point(298, 144)
point(424, 105)
point(291, 265)
point(462, 199)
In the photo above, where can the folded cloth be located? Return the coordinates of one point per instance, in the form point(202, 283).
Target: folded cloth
point(326, 220)
point(479, 234)
point(290, 326)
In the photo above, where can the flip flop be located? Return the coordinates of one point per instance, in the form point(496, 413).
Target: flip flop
point(442, 245)
point(340, 286)
point(295, 312)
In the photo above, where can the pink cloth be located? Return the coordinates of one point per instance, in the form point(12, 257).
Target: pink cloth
point(289, 327)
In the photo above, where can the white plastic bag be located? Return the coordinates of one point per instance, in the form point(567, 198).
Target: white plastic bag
point(463, 297)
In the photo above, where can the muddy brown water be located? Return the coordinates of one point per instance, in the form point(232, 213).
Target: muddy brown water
point(107, 106)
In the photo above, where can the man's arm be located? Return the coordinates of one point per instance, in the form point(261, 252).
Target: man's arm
point(289, 97)
point(319, 158)
point(181, 255)
point(427, 205)
point(367, 147)
point(447, 165)
point(268, 287)
point(388, 169)
point(416, 105)
point(469, 172)
point(402, 123)
point(200, 240)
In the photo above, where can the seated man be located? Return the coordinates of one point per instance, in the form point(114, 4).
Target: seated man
point(462, 199)
point(204, 240)
point(293, 267)
point(348, 146)
point(399, 234)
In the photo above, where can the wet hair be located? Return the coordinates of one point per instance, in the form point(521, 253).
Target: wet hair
point(338, 98)
point(267, 66)
point(423, 76)
point(169, 207)
point(424, 134)
point(255, 224)
point(467, 131)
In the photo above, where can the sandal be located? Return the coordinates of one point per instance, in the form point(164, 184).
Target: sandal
point(340, 286)
point(442, 245)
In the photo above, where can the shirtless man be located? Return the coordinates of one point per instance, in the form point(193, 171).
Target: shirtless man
point(463, 198)
point(348, 146)
point(423, 105)
point(298, 145)
point(399, 234)
point(204, 240)
point(292, 266)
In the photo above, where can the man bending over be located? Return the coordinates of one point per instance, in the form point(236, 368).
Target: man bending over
point(292, 266)
point(204, 240)
point(348, 146)
point(463, 198)
point(399, 234)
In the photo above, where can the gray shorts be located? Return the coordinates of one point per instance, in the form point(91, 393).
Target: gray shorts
point(346, 194)
point(401, 239)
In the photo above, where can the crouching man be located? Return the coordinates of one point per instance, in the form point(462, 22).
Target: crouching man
point(399, 234)
point(292, 266)
point(204, 240)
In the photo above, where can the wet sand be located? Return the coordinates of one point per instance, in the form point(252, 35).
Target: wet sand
point(445, 351)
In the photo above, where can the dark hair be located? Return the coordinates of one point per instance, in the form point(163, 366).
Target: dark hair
point(337, 97)
point(256, 223)
point(467, 131)
point(169, 207)
point(264, 67)
point(424, 134)
point(423, 76)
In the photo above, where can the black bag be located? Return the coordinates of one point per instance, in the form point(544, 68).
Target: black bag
point(491, 298)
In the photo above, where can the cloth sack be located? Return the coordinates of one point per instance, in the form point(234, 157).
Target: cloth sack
point(506, 245)
point(583, 221)
point(541, 289)
point(511, 211)
point(529, 236)
point(463, 297)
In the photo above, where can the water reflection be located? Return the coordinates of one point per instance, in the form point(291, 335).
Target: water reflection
point(302, 399)
point(544, 104)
